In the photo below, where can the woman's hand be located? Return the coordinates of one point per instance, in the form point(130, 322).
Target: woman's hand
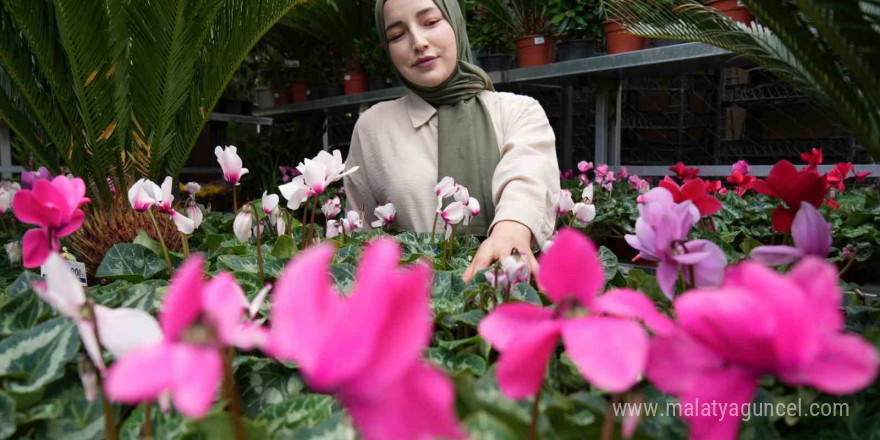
point(506, 235)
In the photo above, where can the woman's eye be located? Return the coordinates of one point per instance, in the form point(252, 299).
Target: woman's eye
point(433, 22)
point(395, 37)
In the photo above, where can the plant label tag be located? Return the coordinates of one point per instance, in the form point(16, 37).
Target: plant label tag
point(539, 40)
point(76, 267)
point(348, 77)
point(291, 63)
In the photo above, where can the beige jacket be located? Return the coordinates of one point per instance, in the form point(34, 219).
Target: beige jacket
point(395, 145)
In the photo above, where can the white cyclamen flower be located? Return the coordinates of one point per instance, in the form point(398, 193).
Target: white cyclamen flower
point(242, 226)
point(384, 214)
point(230, 162)
point(144, 194)
point(185, 225)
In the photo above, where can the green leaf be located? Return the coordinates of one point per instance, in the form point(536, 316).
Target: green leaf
point(170, 425)
point(343, 276)
point(32, 359)
point(284, 247)
point(272, 267)
point(146, 241)
point(526, 293)
point(110, 295)
point(24, 308)
point(415, 243)
point(264, 383)
point(296, 412)
point(336, 427)
point(609, 262)
point(78, 418)
point(131, 262)
point(471, 318)
point(7, 416)
point(557, 18)
point(483, 426)
point(448, 285)
point(146, 296)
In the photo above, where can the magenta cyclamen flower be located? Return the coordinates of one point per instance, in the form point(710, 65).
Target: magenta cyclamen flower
point(526, 334)
point(197, 319)
point(759, 322)
point(54, 206)
point(29, 178)
point(661, 231)
point(366, 348)
point(811, 235)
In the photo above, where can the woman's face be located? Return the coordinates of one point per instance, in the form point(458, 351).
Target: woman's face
point(420, 40)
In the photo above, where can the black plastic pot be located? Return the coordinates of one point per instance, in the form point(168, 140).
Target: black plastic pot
point(575, 49)
point(334, 90)
point(376, 82)
point(494, 63)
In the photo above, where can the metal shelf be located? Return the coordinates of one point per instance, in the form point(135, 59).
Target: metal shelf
point(244, 119)
point(677, 58)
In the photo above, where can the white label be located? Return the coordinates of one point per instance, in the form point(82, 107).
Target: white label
point(77, 268)
point(348, 77)
point(291, 63)
point(539, 40)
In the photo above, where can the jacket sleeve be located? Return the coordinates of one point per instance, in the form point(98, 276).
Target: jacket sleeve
point(528, 171)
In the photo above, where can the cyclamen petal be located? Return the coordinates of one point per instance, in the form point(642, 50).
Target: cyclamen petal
point(195, 377)
point(611, 353)
point(231, 164)
point(141, 375)
point(123, 330)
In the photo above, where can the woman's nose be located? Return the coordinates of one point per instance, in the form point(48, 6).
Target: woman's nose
point(420, 43)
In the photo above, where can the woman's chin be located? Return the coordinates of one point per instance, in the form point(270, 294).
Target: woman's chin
point(428, 79)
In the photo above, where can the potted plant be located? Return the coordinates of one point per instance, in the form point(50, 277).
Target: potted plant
point(733, 9)
point(490, 37)
point(527, 21)
point(375, 62)
point(579, 24)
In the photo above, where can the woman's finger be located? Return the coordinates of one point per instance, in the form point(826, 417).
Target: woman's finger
point(483, 258)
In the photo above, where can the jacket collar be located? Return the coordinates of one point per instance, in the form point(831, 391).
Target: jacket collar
point(420, 111)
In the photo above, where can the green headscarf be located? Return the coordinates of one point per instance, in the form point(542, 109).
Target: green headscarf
point(468, 149)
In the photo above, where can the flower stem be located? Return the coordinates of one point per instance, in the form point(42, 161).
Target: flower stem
point(259, 243)
point(434, 226)
point(533, 430)
point(185, 242)
point(312, 221)
point(109, 418)
point(147, 427)
point(231, 393)
point(162, 242)
point(234, 199)
point(847, 266)
point(571, 222)
point(608, 424)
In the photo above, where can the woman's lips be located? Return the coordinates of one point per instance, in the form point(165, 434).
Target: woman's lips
point(427, 63)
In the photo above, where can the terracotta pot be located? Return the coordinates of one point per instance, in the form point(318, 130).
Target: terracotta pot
point(534, 50)
point(355, 82)
point(732, 9)
point(300, 91)
point(618, 40)
point(282, 97)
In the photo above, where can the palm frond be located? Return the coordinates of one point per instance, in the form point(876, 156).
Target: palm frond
point(786, 45)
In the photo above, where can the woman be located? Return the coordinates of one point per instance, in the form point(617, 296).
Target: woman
point(452, 123)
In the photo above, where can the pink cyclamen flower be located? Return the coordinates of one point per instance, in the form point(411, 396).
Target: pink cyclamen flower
point(322, 170)
point(526, 334)
point(331, 208)
point(366, 347)
point(230, 162)
point(601, 172)
point(584, 166)
point(608, 181)
point(384, 215)
point(741, 167)
point(760, 322)
point(452, 214)
point(197, 319)
point(661, 231)
point(622, 173)
point(30, 178)
point(120, 330)
point(269, 202)
point(641, 185)
point(811, 234)
point(54, 206)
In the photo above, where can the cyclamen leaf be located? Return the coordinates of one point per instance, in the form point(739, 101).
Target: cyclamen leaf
point(7, 416)
point(24, 308)
point(264, 383)
point(483, 426)
point(78, 419)
point(32, 359)
point(130, 262)
point(165, 425)
point(300, 411)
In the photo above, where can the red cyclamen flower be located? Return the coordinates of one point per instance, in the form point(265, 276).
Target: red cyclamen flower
point(792, 186)
point(684, 173)
point(813, 158)
point(695, 190)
